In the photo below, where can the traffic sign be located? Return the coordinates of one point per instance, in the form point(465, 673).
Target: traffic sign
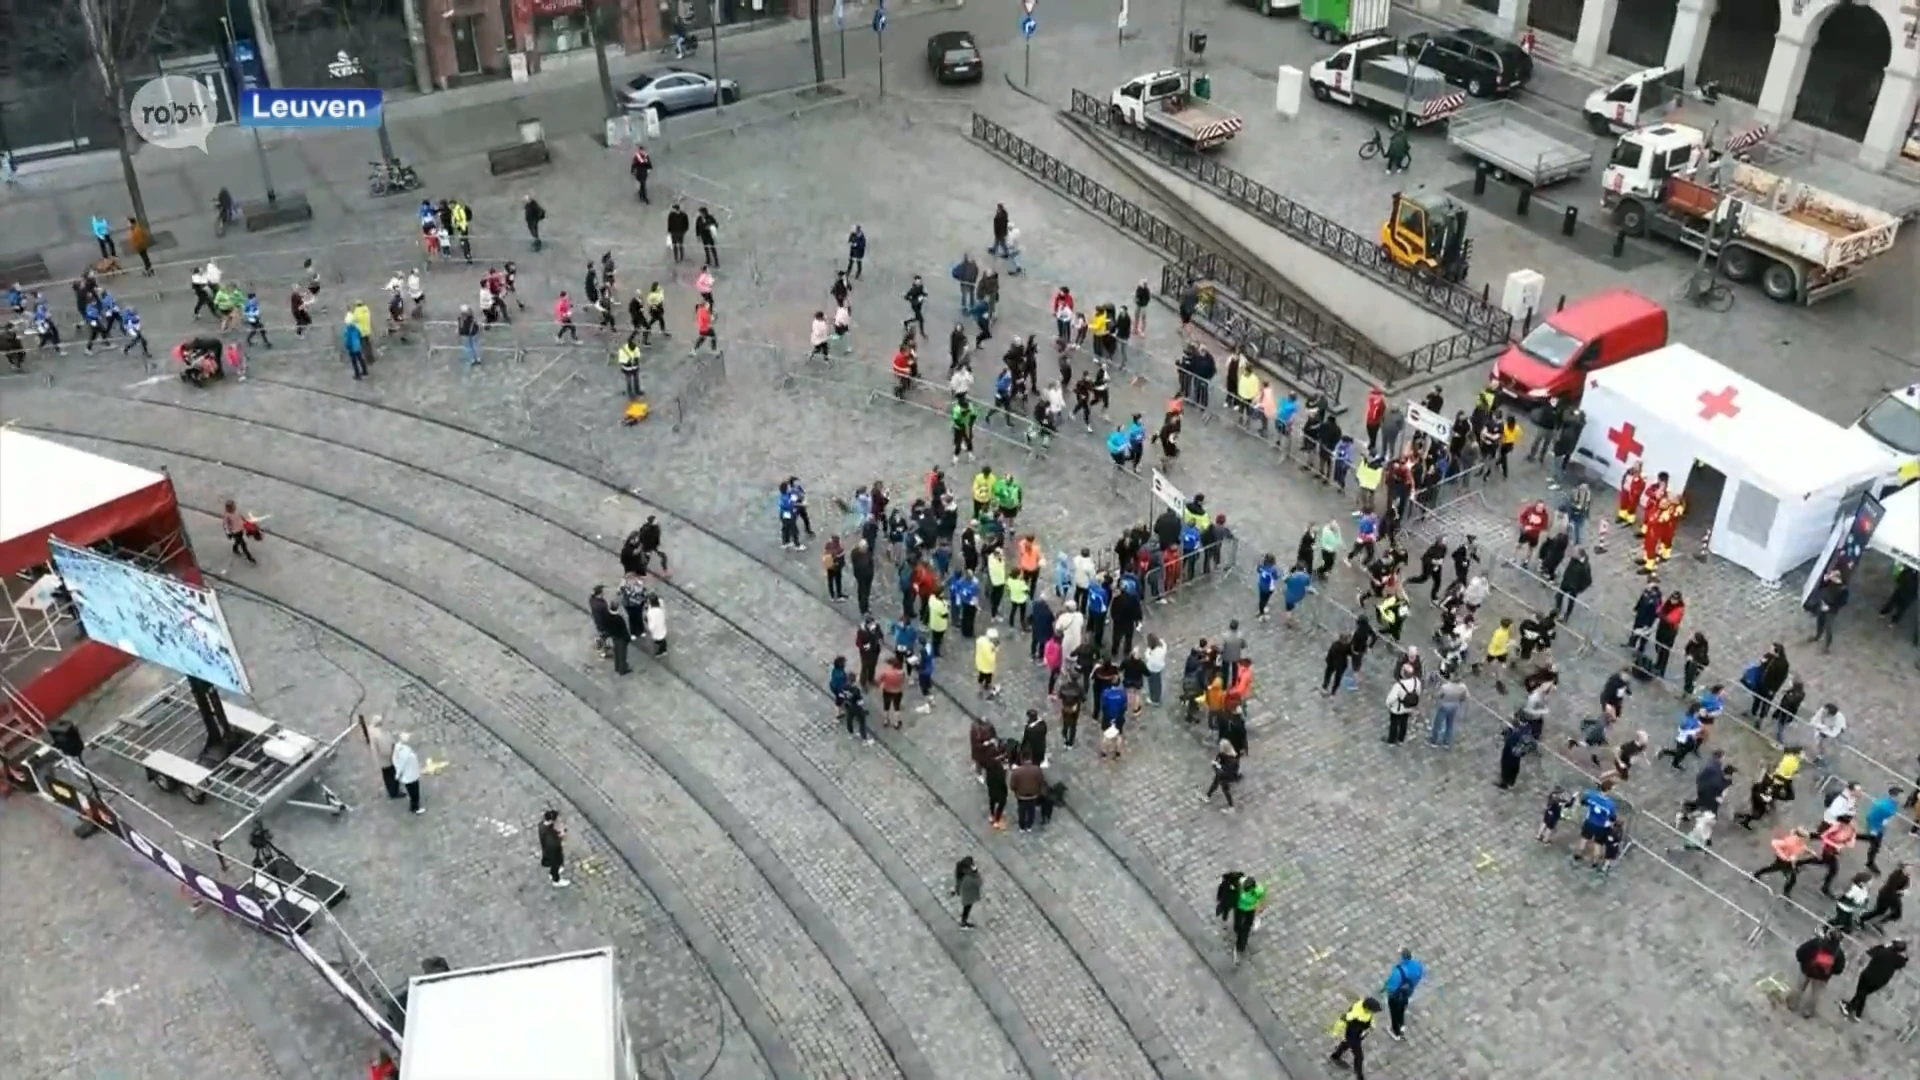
point(840, 13)
point(1026, 6)
point(879, 19)
point(1028, 26)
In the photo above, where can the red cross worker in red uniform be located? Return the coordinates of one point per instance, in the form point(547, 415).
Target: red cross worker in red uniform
point(1632, 483)
point(1670, 514)
point(1650, 500)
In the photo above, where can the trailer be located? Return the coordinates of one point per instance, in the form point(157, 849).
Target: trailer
point(1169, 102)
point(1801, 243)
point(553, 1018)
point(1519, 144)
point(1375, 75)
point(264, 764)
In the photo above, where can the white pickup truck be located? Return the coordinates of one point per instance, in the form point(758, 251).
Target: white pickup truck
point(1164, 101)
point(1374, 74)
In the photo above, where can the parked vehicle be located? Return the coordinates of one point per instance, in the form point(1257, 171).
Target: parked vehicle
point(1341, 21)
point(1166, 101)
point(1427, 231)
point(1893, 421)
point(1374, 75)
point(1636, 101)
point(671, 90)
point(1553, 361)
point(1485, 65)
point(1520, 145)
point(953, 57)
point(1801, 243)
point(1270, 8)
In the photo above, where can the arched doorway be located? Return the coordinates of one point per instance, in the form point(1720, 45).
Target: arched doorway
point(1560, 17)
point(1641, 29)
point(1844, 71)
point(1740, 46)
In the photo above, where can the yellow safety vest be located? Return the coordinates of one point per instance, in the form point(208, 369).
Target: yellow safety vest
point(1019, 591)
point(996, 570)
point(629, 357)
point(657, 298)
point(1198, 521)
point(1367, 475)
point(983, 487)
point(984, 657)
point(1909, 471)
point(937, 613)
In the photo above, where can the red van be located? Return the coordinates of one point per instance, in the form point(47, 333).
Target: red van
point(1552, 362)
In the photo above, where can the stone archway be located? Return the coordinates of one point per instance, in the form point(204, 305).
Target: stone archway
point(1641, 30)
point(1844, 69)
point(1739, 47)
point(1559, 17)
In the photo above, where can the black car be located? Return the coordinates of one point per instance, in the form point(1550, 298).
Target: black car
point(952, 57)
point(1482, 63)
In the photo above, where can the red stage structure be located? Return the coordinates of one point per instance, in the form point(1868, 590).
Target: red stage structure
point(51, 490)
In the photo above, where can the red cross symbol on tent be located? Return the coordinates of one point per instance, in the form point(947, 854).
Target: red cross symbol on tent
point(1717, 403)
point(1625, 446)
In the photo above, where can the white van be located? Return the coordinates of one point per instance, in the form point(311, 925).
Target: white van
point(1894, 422)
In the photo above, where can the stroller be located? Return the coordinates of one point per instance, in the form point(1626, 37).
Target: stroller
point(201, 359)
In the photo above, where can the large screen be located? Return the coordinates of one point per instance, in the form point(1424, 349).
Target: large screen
point(152, 616)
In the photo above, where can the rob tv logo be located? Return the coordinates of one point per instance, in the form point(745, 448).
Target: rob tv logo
point(309, 108)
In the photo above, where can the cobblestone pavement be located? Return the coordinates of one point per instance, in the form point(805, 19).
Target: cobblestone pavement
point(1638, 974)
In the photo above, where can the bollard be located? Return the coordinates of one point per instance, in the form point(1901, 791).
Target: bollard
point(1486, 292)
point(1570, 221)
point(1526, 202)
point(1526, 323)
point(1560, 304)
point(1706, 541)
point(1600, 541)
point(1619, 243)
point(1480, 181)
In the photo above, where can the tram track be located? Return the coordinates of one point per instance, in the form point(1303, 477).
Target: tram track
point(1113, 975)
point(1037, 1058)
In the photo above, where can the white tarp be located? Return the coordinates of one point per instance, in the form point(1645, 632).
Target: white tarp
point(1787, 469)
point(1898, 536)
point(556, 1018)
point(45, 483)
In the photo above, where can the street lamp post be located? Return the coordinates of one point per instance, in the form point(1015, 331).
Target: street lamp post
point(840, 23)
point(1180, 38)
point(713, 31)
point(259, 150)
point(880, 34)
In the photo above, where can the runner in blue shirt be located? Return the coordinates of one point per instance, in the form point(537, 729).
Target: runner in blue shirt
point(1265, 580)
point(1600, 812)
point(1296, 585)
point(1117, 447)
point(1879, 812)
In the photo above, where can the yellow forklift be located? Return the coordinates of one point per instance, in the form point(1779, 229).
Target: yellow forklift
point(1428, 232)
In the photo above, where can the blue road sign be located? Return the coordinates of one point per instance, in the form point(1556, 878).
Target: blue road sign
point(1028, 26)
point(879, 19)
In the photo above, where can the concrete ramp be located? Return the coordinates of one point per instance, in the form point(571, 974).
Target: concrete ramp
point(1393, 322)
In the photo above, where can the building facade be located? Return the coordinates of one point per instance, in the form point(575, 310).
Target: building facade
point(470, 40)
point(1847, 66)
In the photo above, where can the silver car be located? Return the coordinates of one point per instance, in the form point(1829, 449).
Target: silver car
point(676, 90)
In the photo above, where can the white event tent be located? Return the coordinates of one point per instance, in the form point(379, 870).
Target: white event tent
point(1787, 469)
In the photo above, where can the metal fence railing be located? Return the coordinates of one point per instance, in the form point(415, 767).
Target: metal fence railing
point(1296, 349)
point(1481, 322)
point(1223, 317)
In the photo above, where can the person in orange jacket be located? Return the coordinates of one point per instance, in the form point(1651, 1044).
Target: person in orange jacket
point(1650, 541)
point(1375, 415)
point(1632, 483)
point(1676, 509)
point(903, 368)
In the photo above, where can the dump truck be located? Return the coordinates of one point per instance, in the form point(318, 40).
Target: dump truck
point(1341, 21)
point(557, 1016)
point(1801, 243)
point(1375, 75)
point(1520, 145)
point(1164, 101)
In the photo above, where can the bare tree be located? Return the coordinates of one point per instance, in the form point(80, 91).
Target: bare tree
point(813, 26)
point(118, 31)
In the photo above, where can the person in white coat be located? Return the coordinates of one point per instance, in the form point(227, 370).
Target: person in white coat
point(406, 769)
point(1070, 628)
point(657, 625)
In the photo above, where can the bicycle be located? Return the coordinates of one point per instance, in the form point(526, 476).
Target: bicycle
point(1703, 288)
point(1373, 147)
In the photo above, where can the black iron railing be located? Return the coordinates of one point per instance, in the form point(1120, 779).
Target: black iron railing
point(1481, 323)
point(1219, 315)
point(1306, 334)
